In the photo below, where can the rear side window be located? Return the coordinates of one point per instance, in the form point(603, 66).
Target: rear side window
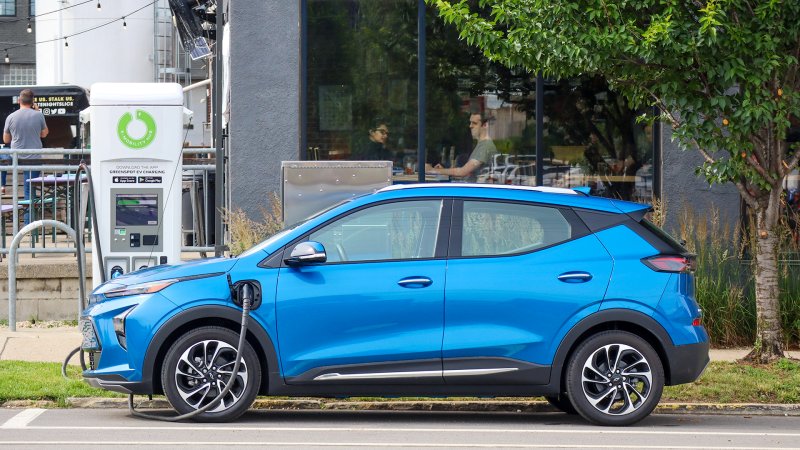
point(494, 228)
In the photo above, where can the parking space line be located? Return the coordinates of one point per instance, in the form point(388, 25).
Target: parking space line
point(423, 430)
point(263, 444)
point(22, 419)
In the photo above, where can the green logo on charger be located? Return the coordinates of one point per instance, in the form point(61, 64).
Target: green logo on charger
point(132, 142)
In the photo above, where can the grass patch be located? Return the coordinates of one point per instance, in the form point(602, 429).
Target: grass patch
point(722, 382)
point(23, 380)
point(727, 382)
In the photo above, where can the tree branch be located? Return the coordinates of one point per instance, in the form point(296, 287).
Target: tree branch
point(748, 198)
point(760, 169)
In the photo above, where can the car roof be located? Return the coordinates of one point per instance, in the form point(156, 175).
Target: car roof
point(539, 194)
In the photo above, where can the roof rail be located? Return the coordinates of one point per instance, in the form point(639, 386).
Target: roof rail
point(548, 189)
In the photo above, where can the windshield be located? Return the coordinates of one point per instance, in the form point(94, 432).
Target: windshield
point(279, 235)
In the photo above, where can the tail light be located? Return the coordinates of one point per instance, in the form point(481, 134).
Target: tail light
point(670, 263)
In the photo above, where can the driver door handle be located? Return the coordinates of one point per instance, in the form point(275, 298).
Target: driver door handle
point(415, 282)
point(575, 277)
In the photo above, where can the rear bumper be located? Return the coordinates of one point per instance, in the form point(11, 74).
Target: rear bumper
point(687, 362)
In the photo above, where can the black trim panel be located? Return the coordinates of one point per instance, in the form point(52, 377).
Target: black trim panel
point(526, 373)
point(257, 336)
point(426, 365)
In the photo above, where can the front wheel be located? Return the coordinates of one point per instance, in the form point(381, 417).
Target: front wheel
point(615, 378)
point(199, 365)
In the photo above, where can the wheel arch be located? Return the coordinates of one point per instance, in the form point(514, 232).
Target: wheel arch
point(214, 315)
point(612, 319)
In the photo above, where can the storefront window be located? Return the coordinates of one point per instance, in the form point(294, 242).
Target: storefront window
point(361, 68)
point(593, 139)
point(361, 103)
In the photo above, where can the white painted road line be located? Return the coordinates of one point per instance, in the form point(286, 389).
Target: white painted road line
point(22, 419)
point(378, 445)
point(425, 430)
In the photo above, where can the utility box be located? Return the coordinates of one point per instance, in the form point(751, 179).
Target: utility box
point(311, 186)
point(137, 134)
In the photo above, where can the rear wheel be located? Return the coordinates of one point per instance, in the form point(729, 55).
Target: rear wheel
point(198, 367)
point(615, 378)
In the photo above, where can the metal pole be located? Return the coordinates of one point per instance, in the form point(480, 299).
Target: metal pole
point(14, 193)
point(539, 129)
point(12, 264)
point(219, 178)
point(421, 91)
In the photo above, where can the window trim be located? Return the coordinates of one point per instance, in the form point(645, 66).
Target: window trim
point(442, 234)
point(457, 223)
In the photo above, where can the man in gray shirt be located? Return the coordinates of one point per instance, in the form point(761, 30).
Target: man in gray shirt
point(481, 155)
point(24, 129)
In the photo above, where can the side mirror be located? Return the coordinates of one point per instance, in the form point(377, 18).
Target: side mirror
point(307, 253)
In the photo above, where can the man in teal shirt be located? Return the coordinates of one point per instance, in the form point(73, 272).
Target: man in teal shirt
point(481, 155)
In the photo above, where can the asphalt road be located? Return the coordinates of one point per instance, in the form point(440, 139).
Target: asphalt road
point(114, 428)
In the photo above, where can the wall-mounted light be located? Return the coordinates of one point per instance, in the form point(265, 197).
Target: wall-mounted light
point(30, 30)
point(66, 44)
point(8, 59)
point(124, 24)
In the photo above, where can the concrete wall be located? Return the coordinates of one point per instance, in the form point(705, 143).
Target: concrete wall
point(265, 98)
point(682, 187)
point(44, 291)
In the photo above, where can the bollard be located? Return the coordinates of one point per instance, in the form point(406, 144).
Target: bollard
point(12, 264)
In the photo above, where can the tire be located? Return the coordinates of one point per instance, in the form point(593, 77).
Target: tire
point(194, 359)
point(631, 392)
point(562, 403)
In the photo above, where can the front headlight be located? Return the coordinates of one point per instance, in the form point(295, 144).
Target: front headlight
point(139, 289)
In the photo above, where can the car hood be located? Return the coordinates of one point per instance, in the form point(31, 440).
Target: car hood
point(164, 272)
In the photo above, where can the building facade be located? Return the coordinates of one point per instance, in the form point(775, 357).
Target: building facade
point(17, 43)
point(321, 79)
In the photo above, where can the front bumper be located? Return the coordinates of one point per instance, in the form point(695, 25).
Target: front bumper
point(687, 362)
point(118, 383)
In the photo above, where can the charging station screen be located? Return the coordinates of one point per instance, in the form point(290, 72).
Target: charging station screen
point(137, 209)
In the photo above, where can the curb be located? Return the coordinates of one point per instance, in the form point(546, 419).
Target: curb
point(515, 406)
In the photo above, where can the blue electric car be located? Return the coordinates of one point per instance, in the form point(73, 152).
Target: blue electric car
point(417, 290)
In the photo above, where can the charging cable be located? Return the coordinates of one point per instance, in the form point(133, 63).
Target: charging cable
point(247, 300)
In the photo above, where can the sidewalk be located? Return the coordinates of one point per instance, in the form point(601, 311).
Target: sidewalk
point(53, 345)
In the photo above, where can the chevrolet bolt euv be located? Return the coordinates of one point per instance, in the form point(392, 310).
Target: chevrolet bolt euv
point(417, 290)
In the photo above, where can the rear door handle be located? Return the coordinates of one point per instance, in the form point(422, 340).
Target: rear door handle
point(415, 282)
point(575, 277)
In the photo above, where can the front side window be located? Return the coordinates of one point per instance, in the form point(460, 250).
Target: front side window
point(493, 228)
point(392, 231)
point(8, 8)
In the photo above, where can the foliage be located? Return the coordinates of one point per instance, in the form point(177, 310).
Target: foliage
point(246, 232)
point(723, 73)
point(724, 279)
point(23, 380)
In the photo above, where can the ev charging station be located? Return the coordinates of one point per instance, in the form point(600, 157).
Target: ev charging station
point(137, 132)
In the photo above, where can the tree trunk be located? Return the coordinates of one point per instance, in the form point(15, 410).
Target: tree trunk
point(769, 340)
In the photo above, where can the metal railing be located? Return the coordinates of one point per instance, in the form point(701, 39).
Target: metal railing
point(50, 197)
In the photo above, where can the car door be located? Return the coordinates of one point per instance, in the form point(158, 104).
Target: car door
point(374, 311)
point(516, 274)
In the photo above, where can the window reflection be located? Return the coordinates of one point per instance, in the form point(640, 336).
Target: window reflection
point(362, 78)
point(362, 105)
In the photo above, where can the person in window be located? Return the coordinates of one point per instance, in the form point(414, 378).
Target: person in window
point(481, 155)
point(375, 148)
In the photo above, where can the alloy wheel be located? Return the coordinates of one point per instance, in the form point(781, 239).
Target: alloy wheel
point(204, 370)
point(617, 379)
